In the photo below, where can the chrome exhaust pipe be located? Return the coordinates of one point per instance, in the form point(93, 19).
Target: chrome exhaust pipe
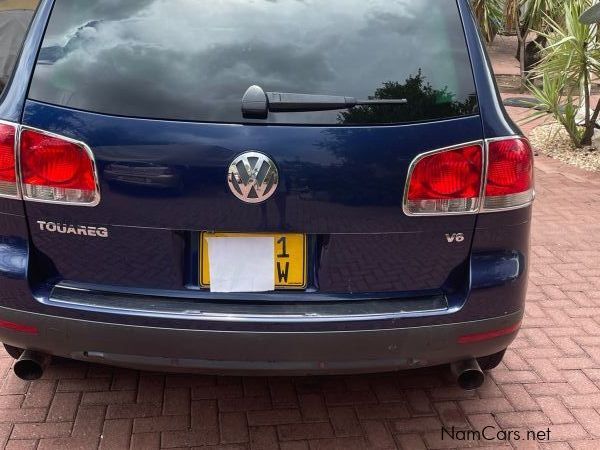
point(31, 365)
point(468, 374)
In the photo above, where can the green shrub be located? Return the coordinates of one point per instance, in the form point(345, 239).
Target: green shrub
point(570, 63)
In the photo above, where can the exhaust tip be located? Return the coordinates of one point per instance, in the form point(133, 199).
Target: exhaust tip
point(469, 375)
point(470, 380)
point(31, 365)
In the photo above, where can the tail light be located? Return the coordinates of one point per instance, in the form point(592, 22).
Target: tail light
point(472, 178)
point(57, 170)
point(446, 182)
point(52, 168)
point(8, 172)
point(509, 181)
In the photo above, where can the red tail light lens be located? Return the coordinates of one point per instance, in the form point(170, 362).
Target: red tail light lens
point(56, 169)
point(509, 175)
point(446, 182)
point(450, 181)
point(8, 173)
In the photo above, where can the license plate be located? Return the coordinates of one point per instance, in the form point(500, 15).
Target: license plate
point(290, 258)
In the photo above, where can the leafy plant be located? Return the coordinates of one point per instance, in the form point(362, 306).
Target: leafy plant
point(510, 15)
point(535, 12)
point(530, 16)
point(552, 99)
point(571, 61)
point(490, 15)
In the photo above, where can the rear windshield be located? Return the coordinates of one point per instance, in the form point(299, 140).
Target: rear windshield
point(194, 60)
point(15, 16)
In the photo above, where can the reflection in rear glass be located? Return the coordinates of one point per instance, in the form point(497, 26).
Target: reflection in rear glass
point(176, 59)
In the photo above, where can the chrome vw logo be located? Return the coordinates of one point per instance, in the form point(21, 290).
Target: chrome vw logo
point(253, 177)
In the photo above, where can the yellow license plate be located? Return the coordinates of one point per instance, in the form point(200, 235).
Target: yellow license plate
point(290, 258)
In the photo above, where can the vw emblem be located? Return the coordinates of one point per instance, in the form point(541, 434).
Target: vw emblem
point(253, 177)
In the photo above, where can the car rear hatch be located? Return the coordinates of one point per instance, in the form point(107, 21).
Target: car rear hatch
point(158, 103)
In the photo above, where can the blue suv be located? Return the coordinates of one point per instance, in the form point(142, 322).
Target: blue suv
point(260, 187)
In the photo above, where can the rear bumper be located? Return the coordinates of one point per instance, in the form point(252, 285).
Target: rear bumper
point(255, 352)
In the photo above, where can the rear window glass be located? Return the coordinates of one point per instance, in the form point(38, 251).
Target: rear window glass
point(194, 60)
point(15, 17)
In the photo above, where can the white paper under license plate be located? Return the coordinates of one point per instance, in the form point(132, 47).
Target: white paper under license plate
point(289, 258)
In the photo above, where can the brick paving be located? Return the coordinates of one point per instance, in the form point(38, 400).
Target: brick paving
point(549, 380)
point(502, 53)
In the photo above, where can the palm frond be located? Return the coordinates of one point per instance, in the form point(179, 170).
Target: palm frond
point(570, 61)
point(511, 16)
point(490, 15)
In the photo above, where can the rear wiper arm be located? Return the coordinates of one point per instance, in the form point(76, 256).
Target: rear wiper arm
point(256, 103)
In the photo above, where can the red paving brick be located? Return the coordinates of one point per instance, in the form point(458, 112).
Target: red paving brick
point(550, 378)
point(502, 52)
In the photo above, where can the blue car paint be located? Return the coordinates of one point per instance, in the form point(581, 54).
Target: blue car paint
point(313, 161)
point(490, 282)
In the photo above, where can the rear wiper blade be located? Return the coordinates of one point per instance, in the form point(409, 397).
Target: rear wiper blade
point(256, 103)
